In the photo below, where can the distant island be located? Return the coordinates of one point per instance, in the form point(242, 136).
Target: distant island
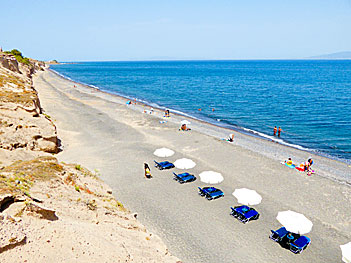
point(337, 55)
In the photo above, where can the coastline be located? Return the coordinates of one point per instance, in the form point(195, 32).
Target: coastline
point(220, 123)
point(247, 135)
point(101, 132)
point(53, 211)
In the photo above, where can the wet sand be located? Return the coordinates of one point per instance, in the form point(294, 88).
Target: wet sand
point(100, 131)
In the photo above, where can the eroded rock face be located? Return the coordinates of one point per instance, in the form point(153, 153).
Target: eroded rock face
point(22, 124)
point(19, 129)
point(9, 62)
point(11, 233)
point(42, 212)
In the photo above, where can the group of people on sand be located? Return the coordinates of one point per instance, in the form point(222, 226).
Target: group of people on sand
point(275, 130)
point(306, 166)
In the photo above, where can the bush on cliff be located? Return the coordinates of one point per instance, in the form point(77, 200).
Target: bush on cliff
point(19, 57)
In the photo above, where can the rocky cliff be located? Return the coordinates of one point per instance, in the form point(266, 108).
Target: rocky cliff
point(51, 211)
point(22, 124)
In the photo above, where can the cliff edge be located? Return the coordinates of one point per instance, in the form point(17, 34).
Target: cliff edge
point(52, 211)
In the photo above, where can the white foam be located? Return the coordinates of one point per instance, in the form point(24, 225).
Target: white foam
point(155, 105)
point(275, 139)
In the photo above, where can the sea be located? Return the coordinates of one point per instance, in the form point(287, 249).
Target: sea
point(309, 99)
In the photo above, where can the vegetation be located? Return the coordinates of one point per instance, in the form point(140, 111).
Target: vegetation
point(20, 176)
point(19, 57)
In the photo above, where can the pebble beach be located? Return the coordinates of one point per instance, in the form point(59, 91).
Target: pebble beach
point(100, 131)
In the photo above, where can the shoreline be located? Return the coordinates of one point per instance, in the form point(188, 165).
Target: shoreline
point(100, 131)
point(224, 125)
point(204, 124)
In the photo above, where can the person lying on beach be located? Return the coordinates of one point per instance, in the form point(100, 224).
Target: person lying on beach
point(184, 128)
point(150, 111)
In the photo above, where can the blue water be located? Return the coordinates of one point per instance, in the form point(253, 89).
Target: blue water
point(310, 100)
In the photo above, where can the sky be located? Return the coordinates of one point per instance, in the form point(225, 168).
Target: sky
point(111, 30)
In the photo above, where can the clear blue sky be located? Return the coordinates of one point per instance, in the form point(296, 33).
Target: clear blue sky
point(87, 30)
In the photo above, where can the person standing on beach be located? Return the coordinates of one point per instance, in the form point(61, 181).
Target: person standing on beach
point(147, 171)
point(279, 131)
point(231, 138)
point(275, 131)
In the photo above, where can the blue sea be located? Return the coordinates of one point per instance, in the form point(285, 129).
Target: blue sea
point(309, 99)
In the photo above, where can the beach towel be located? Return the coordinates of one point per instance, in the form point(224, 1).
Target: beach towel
point(292, 166)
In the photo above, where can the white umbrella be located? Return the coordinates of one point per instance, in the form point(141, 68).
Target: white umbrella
point(163, 152)
point(346, 252)
point(295, 222)
point(184, 163)
point(185, 122)
point(247, 197)
point(211, 177)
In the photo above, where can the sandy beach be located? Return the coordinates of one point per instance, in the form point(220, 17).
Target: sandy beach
point(100, 131)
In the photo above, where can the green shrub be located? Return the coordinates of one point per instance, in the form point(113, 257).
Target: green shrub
point(19, 57)
point(16, 52)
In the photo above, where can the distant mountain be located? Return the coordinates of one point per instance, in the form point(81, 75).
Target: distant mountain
point(337, 55)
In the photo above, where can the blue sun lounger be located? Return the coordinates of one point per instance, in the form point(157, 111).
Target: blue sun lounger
point(279, 234)
point(164, 165)
point(244, 213)
point(210, 192)
point(184, 178)
point(299, 244)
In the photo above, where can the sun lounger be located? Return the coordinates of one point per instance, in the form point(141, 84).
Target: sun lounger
point(299, 244)
point(279, 234)
point(184, 178)
point(244, 213)
point(210, 192)
point(164, 165)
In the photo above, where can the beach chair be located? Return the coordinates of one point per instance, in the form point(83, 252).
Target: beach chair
point(164, 165)
point(210, 192)
point(244, 213)
point(184, 178)
point(279, 234)
point(299, 244)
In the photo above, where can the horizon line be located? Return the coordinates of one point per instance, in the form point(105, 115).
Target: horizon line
point(170, 60)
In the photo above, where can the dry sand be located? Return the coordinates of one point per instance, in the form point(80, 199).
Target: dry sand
point(101, 132)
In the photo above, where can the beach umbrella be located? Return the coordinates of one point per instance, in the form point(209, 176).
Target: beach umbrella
point(163, 152)
point(247, 197)
point(185, 122)
point(184, 163)
point(210, 177)
point(295, 222)
point(346, 252)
